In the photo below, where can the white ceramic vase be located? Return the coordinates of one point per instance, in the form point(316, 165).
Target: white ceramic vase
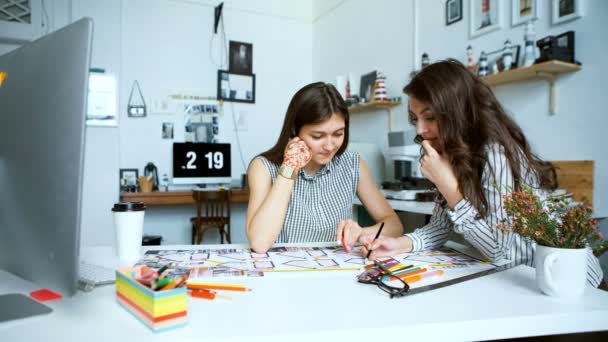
point(561, 272)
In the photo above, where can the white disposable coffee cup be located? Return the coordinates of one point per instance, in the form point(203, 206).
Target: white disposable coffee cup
point(129, 226)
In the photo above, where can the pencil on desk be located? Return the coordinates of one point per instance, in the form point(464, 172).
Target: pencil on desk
point(375, 238)
point(225, 287)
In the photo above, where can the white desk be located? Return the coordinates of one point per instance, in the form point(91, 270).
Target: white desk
point(409, 206)
point(324, 306)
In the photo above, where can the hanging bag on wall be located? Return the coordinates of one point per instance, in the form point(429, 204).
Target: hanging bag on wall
point(136, 110)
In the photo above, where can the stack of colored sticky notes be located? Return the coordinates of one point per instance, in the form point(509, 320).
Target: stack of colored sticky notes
point(159, 310)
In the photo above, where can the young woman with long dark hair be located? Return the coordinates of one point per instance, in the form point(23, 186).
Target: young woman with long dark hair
point(473, 152)
point(303, 188)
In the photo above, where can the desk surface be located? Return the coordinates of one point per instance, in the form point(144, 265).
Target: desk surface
point(159, 198)
point(409, 206)
point(324, 306)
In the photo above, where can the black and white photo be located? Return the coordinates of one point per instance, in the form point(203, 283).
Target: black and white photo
point(128, 180)
point(167, 130)
point(240, 58)
point(235, 87)
point(453, 11)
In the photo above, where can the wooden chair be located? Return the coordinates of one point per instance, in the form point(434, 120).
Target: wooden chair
point(212, 212)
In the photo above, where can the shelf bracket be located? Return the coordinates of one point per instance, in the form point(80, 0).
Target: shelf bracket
point(552, 92)
point(391, 119)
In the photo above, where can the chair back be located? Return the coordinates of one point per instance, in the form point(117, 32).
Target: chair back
point(212, 203)
point(212, 211)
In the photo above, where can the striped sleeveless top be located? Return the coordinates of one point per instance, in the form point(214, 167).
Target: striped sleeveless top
point(320, 201)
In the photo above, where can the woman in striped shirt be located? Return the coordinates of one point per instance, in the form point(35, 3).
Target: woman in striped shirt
point(472, 152)
point(302, 189)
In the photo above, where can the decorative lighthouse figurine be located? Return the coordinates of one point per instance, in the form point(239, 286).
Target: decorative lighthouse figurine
point(529, 53)
point(507, 56)
point(380, 88)
point(470, 64)
point(483, 64)
point(425, 61)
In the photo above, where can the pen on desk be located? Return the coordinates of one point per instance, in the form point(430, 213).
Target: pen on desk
point(376, 237)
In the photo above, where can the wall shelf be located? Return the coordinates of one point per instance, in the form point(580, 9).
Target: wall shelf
point(372, 106)
point(547, 70)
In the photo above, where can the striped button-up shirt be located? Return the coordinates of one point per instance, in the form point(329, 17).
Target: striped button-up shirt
point(319, 202)
point(481, 232)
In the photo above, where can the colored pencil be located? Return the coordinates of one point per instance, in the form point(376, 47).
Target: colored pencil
point(225, 287)
point(419, 277)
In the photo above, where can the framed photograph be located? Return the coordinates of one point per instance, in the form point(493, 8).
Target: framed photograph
point(128, 180)
point(240, 58)
point(235, 87)
point(453, 11)
point(367, 84)
point(565, 10)
point(523, 11)
point(167, 130)
point(514, 64)
point(485, 17)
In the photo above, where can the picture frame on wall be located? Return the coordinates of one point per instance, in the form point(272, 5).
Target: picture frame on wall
point(235, 87)
point(484, 17)
point(240, 58)
point(565, 10)
point(523, 11)
point(453, 11)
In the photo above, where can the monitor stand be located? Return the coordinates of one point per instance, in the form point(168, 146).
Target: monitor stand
point(17, 305)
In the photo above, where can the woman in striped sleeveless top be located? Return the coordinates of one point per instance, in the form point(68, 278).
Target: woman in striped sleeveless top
point(472, 152)
point(302, 189)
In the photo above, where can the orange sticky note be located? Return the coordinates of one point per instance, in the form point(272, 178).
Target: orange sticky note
point(45, 295)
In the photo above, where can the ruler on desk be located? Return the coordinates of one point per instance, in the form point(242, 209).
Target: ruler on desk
point(462, 279)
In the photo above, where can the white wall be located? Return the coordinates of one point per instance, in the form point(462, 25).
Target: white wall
point(165, 46)
point(357, 35)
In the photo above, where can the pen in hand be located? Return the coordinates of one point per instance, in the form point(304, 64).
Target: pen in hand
point(376, 237)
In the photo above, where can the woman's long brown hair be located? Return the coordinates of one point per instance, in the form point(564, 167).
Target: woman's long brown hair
point(314, 103)
point(470, 117)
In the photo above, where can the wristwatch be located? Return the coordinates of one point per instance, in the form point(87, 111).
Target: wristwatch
point(287, 172)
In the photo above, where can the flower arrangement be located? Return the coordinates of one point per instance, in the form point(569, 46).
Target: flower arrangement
point(552, 223)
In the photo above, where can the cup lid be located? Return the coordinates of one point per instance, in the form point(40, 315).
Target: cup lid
point(129, 206)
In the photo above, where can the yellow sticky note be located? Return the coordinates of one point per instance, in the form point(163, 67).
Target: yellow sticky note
point(3, 76)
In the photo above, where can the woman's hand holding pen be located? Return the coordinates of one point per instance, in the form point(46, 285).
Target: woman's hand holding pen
point(297, 154)
point(385, 246)
point(437, 169)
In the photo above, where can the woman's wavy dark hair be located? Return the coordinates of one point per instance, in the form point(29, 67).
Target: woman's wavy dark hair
point(469, 117)
point(314, 103)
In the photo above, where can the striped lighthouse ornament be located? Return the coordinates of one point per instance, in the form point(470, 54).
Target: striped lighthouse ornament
point(380, 88)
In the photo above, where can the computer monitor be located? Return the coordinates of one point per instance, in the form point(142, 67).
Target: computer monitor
point(42, 133)
point(201, 163)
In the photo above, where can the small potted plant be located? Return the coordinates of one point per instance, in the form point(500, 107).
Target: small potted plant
point(563, 231)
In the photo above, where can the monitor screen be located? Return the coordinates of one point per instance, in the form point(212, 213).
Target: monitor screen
point(42, 111)
point(201, 163)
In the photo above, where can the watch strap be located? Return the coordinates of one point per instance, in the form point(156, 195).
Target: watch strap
point(287, 172)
